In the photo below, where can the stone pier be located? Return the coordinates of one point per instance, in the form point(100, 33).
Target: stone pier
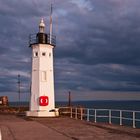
point(13, 127)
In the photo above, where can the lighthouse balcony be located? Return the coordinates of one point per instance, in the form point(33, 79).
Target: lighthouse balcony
point(42, 38)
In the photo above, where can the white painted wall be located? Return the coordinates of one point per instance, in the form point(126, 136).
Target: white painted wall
point(39, 86)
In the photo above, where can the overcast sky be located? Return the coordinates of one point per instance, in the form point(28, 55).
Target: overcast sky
point(98, 47)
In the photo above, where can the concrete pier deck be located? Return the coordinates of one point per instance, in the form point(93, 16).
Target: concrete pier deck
point(61, 128)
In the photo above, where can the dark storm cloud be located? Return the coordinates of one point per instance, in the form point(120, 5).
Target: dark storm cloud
point(103, 42)
point(106, 34)
point(97, 43)
point(99, 77)
point(14, 54)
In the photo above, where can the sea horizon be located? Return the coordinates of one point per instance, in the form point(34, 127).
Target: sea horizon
point(99, 104)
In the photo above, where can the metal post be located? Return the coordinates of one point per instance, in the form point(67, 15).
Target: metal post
point(51, 24)
point(110, 117)
point(134, 123)
point(120, 117)
point(0, 135)
point(75, 113)
point(87, 114)
point(69, 99)
point(19, 84)
point(81, 113)
point(71, 112)
point(95, 120)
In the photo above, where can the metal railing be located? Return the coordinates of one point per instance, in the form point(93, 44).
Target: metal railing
point(33, 39)
point(111, 116)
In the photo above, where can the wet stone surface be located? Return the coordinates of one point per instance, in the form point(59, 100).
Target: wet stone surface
point(20, 128)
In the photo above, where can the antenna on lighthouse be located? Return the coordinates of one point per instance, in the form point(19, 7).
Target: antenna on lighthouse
point(51, 23)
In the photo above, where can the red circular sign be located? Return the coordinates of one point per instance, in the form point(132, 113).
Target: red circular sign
point(43, 100)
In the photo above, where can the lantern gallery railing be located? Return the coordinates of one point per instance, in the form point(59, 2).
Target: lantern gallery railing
point(47, 39)
point(112, 116)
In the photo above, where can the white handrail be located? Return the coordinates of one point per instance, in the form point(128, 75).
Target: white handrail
point(89, 113)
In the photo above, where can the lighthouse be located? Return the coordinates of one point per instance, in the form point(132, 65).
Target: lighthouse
point(42, 100)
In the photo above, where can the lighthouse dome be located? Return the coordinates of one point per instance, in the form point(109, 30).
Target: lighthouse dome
point(42, 24)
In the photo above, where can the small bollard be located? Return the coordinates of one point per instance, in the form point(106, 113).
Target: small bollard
point(81, 113)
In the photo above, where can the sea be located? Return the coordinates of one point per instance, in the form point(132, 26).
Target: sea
point(103, 104)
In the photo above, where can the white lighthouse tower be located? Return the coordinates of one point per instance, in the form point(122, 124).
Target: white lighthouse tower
point(42, 103)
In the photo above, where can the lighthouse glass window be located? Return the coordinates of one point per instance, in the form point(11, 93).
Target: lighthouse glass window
point(35, 54)
point(43, 54)
point(49, 54)
point(44, 76)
